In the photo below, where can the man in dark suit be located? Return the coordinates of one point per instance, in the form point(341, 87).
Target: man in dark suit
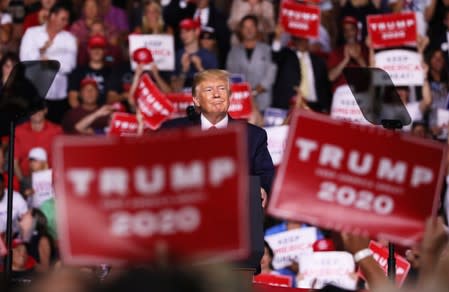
point(298, 69)
point(211, 95)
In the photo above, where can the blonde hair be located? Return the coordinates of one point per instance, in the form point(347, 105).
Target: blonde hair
point(160, 22)
point(210, 74)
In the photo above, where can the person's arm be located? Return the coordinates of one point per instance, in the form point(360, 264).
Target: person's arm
point(430, 10)
point(83, 126)
point(263, 164)
point(426, 101)
point(26, 225)
point(163, 86)
point(18, 170)
point(337, 70)
point(374, 275)
point(44, 249)
point(73, 98)
point(435, 239)
point(136, 77)
point(68, 57)
point(28, 48)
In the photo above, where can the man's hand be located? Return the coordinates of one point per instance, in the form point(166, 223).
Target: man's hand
point(264, 197)
point(196, 61)
point(354, 243)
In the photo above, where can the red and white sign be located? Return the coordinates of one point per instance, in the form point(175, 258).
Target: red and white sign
point(180, 101)
point(289, 246)
point(161, 46)
point(371, 173)
point(327, 267)
point(299, 19)
point(273, 280)
point(392, 30)
point(380, 255)
point(403, 66)
point(344, 106)
point(153, 105)
point(241, 101)
point(122, 199)
point(123, 124)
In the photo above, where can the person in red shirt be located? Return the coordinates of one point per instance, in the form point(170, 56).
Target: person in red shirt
point(37, 132)
point(352, 54)
point(39, 17)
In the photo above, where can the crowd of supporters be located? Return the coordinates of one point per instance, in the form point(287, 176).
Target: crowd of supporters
point(90, 40)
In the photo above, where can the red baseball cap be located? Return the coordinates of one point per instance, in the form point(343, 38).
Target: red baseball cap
point(97, 41)
point(324, 245)
point(350, 20)
point(189, 23)
point(16, 242)
point(87, 81)
point(143, 56)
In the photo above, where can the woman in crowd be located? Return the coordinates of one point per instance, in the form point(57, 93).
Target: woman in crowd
point(152, 20)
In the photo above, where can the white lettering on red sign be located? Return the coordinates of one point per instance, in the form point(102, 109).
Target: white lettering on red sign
point(399, 24)
point(333, 156)
point(152, 180)
point(299, 15)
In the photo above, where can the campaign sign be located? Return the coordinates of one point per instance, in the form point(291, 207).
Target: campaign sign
point(328, 267)
point(277, 139)
point(153, 105)
point(180, 101)
point(274, 117)
point(241, 101)
point(290, 245)
point(380, 255)
point(123, 124)
point(122, 199)
point(442, 117)
point(162, 47)
point(335, 168)
point(299, 19)
point(344, 106)
point(273, 280)
point(42, 183)
point(392, 30)
point(403, 66)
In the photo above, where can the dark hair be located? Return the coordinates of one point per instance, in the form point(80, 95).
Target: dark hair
point(270, 252)
point(444, 74)
point(9, 56)
point(249, 17)
point(57, 7)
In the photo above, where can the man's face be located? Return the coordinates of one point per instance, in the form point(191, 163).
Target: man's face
point(213, 96)
point(39, 116)
point(96, 54)
point(59, 20)
point(249, 30)
point(89, 94)
point(189, 36)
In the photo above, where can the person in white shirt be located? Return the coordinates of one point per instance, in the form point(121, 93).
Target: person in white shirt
point(51, 42)
point(22, 221)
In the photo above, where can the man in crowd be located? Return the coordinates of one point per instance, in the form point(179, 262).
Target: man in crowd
point(51, 42)
point(37, 132)
point(211, 94)
point(95, 69)
point(191, 58)
point(21, 216)
point(297, 67)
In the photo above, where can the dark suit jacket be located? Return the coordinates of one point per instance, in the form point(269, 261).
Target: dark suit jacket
point(259, 159)
point(289, 76)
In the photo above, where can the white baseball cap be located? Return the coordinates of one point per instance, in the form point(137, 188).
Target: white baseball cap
point(38, 153)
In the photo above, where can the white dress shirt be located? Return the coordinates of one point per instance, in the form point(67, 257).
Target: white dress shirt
point(63, 49)
point(206, 125)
